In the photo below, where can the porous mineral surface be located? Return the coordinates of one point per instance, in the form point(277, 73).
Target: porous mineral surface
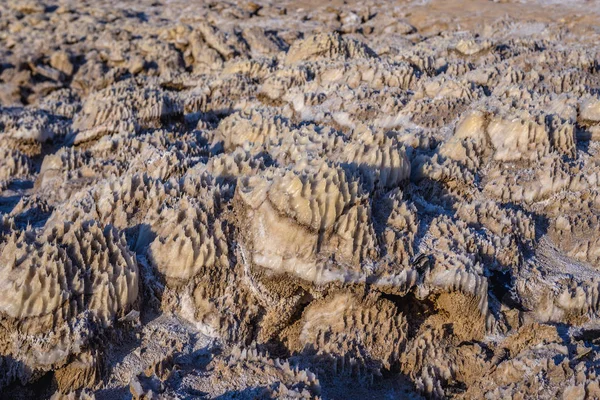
point(298, 200)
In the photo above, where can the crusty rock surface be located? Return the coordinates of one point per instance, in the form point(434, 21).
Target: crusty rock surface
point(299, 200)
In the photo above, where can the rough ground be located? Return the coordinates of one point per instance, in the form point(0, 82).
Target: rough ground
point(351, 200)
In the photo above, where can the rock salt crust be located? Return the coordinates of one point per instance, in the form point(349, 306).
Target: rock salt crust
point(299, 200)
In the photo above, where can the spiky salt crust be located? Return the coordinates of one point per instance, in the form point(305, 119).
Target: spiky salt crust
point(299, 200)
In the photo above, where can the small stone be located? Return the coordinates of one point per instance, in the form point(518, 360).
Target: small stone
point(60, 60)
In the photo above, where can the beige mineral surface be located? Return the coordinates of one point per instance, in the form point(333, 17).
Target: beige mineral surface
point(299, 199)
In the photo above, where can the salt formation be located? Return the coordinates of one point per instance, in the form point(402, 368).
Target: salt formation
point(59, 291)
point(268, 200)
point(311, 214)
